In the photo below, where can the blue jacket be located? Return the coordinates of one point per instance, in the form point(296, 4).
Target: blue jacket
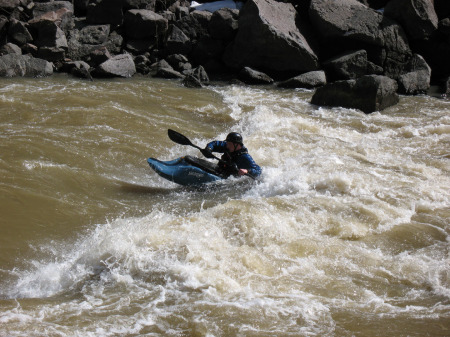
point(241, 158)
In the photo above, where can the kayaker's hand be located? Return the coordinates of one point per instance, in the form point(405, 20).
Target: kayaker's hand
point(242, 172)
point(207, 152)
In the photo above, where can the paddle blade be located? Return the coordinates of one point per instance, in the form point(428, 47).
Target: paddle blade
point(178, 138)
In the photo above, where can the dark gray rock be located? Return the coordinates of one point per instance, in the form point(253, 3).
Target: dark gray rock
point(251, 76)
point(10, 48)
point(417, 17)
point(78, 69)
point(269, 39)
point(224, 24)
point(177, 42)
point(94, 34)
point(144, 24)
point(201, 74)
point(369, 93)
point(41, 8)
point(18, 33)
point(105, 12)
point(307, 80)
point(417, 80)
point(349, 66)
point(190, 81)
point(348, 24)
point(13, 65)
point(164, 70)
point(118, 66)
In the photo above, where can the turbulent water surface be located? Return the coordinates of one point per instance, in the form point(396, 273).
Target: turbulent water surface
point(345, 234)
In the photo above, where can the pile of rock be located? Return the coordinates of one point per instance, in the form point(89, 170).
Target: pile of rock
point(378, 47)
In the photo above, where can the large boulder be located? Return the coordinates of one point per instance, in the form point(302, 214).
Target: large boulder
point(269, 39)
point(369, 93)
point(13, 65)
point(177, 42)
point(350, 25)
point(417, 17)
point(417, 80)
point(224, 24)
point(18, 33)
point(251, 76)
point(144, 24)
point(348, 66)
point(307, 80)
point(118, 66)
point(41, 8)
point(105, 12)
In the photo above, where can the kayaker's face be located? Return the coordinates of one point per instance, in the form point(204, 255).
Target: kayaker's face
point(231, 147)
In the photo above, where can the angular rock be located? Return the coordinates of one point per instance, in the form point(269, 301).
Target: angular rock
point(94, 34)
point(348, 24)
point(190, 81)
point(41, 8)
point(177, 42)
point(118, 66)
point(105, 12)
point(224, 24)
point(18, 33)
point(251, 76)
point(417, 17)
point(269, 38)
point(369, 93)
point(308, 80)
point(63, 18)
point(3, 29)
point(13, 65)
point(416, 81)
point(164, 70)
point(180, 63)
point(201, 75)
point(10, 48)
point(78, 69)
point(144, 24)
point(346, 67)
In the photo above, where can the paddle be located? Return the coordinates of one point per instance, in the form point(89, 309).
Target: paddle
point(183, 140)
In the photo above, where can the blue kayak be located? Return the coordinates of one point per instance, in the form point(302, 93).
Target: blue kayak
point(187, 171)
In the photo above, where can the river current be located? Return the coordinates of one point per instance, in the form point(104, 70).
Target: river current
point(345, 234)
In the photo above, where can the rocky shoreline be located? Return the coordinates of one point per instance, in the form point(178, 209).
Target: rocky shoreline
point(357, 53)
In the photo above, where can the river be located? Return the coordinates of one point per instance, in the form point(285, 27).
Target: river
point(345, 234)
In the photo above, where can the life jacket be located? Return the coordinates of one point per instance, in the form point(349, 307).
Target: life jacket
point(227, 166)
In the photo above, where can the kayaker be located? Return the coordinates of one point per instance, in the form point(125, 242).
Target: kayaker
point(235, 159)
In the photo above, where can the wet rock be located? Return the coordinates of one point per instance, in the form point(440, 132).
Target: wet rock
point(165, 70)
point(269, 38)
point(13, 65)
point(348, 66)
point(78, 69)
point(307, 80)
point(369, 93)
point(191, 81)
point(251, 76)
point(417, 80)
point(118, 66)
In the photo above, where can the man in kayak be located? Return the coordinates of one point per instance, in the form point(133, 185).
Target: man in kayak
point(235, 159)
